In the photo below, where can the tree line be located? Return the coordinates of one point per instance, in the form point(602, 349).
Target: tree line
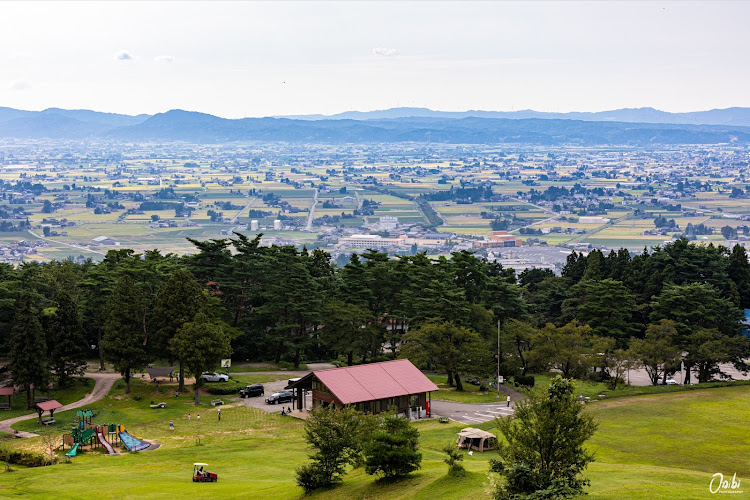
point(679, 303)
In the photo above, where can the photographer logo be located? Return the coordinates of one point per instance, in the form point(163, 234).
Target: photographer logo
point(720, 485)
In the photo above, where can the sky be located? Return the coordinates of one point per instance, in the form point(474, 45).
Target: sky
point(245, 59)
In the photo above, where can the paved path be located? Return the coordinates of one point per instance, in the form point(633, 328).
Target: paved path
point(104, 382)
point(311, 214)
point(470, 413)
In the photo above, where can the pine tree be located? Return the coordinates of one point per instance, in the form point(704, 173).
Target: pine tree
point(201, 344)
point(176, 304)
point(124, 341)
point(28, 350)
point(67, 343)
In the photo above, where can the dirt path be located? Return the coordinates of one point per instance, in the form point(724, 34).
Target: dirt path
point(104, 382)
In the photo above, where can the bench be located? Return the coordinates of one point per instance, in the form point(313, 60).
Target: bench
point(160, 405)
point(444, 420)
point(40, 399)
point(4, 406)
point(216, 402)
point(48, 421)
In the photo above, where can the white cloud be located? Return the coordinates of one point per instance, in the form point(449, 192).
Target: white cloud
point(384, 52)
point(123, 55)
point(19, 85)
point(164, 59)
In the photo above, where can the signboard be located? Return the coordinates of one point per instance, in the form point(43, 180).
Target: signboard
point(226, 363)
point(499, 379)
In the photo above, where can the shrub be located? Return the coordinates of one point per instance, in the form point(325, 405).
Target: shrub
point(27, 458)
point(392, 451)
point(311, 476)
point(137, 397)
point(455, 468)
point(524, 380)
point(224, 388)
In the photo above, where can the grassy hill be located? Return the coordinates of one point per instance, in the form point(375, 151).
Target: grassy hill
point(662, 446)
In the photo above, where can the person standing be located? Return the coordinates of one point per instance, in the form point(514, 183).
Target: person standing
point(508, 400)
point(198, 417)
point(189, 417)
point(171, 425)
point(218, 414)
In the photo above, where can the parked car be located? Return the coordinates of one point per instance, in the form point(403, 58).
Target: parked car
point(669, 381)
point(251, 391)
point(215, 377)
point(280, 397)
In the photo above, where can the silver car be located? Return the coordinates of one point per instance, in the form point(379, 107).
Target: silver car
point(215, 377)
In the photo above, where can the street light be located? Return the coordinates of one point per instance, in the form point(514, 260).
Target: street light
point(497, 375)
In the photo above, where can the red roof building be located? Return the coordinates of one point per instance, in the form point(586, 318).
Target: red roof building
point(391, 385)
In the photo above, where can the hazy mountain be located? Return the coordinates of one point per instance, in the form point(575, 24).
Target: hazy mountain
point(179, 125)
point(731, 116)
point(71, 122)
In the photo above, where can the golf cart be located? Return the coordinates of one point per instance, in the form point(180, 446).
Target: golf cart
point(201, 475)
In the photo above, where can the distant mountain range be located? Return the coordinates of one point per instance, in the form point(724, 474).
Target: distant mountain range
point(640, 127)
point(738, 117)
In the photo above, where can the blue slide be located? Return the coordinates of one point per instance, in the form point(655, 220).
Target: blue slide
point(133, 443)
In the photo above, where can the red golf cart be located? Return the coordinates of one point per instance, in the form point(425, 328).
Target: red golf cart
point(201, 475)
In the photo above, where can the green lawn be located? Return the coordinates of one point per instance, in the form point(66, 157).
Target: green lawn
point(661, 446)
point(470, 394)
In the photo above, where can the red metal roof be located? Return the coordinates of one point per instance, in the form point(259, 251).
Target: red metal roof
point(6, 391)
point(352, 384)
point(48, 405)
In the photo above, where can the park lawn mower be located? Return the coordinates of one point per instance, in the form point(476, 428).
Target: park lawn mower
point(201, 475)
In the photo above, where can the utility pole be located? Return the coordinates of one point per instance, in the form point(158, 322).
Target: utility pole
point(497, 375)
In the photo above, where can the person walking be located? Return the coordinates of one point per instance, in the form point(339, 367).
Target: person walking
point(189, 417)
point(508, 400)
point(198, 417)
point(171, 425)
point(218, 414)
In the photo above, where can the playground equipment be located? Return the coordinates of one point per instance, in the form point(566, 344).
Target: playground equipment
point(132, 443)
point(85, 433)
point(200, 475)
point(102, 441)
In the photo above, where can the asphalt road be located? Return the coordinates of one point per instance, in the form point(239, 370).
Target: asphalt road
point(470, 413)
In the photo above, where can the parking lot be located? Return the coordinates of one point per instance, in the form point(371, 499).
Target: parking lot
point(470, 413)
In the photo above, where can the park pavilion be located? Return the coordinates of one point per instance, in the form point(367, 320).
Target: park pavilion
point(373, 388)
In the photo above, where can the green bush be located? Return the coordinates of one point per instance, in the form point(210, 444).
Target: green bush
point(392, 451)
point(311, 476)
point(524, 380)
point(224, 388)
point(453, 459)
point(28, 459)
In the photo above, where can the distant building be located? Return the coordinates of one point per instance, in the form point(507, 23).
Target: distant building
point(389, 222)
point(104, 241)
point(277, 225)
point(253, 225)
point(593, 220)
point(499, 239)
point(369, 241)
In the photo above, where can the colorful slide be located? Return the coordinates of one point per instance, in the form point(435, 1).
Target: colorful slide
point(104, 443)
point(73, 451)
point(132, 443)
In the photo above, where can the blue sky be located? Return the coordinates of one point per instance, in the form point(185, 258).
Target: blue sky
point(241, 59)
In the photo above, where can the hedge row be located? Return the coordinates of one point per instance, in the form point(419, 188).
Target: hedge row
point(28, 458)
